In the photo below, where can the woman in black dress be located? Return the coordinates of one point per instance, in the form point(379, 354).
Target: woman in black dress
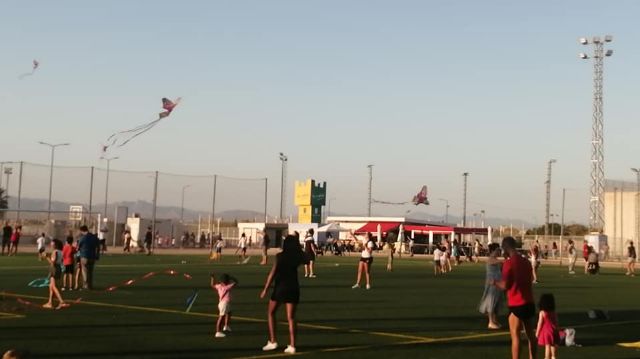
point(286, 290)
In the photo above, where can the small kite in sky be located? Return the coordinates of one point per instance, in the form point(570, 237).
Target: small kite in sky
point(420, 198)
point(121, 138)
point(35, 66)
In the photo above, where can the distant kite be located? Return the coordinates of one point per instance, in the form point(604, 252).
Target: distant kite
point(33, 70)
point(121, 138)
point(420, 198)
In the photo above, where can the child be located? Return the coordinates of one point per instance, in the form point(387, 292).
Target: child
point(223, 287)
point(390, 248)
point(219, 245)
point(68, 258)
point(437, 257)
point(41, 242)
point(547, 330)
point(55, 274)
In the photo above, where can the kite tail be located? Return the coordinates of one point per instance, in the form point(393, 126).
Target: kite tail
point(27, 74)
point(391, 203)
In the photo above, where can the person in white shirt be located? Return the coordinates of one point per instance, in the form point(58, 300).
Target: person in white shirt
point(366, 260)
point(437, 256)
point(242, 247)
point(42, 246)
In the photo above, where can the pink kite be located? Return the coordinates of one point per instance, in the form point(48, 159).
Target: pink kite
point(121, 138)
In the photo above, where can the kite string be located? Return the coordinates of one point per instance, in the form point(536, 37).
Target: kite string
point(390, 203)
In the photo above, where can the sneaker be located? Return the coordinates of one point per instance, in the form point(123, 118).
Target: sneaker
point(368, 287)
point(572, 272)
point(535, 282)
point(311, 276)
point(63, 289)
point(220, 335)
point(270, 346)
point(306, 275)
point(226, 328)
point(355, 286)
point(290, 350)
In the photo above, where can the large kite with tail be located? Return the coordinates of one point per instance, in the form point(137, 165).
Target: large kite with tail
point(121, 138)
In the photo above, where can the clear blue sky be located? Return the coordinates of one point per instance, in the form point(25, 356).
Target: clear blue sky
point(425, 90)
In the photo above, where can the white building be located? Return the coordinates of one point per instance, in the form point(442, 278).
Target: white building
point(620, 215)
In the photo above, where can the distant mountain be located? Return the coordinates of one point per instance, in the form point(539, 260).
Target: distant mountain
point(143, 208)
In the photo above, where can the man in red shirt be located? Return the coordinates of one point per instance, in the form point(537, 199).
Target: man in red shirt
point(517, 282)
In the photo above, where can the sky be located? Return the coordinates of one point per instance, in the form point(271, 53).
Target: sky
point(423, 90)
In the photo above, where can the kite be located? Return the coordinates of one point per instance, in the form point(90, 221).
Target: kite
point(39, 283)
point(121, 138)
point(420, 198)
point(33, 70)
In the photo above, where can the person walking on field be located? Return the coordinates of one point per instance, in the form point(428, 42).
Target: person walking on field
point(15, 240)
point(366, 260)
point(148, 240)
point(573, 256)
point(310, 249)
point(41, 242)
point(265, 248)
point(286, 290)
point(55, 275)
point(517, 282)
point(535, 261)
point(631, 260)
point(68, 259)
point(242, 247)
point(7, 231)
point(89, 249)
point(492, 298)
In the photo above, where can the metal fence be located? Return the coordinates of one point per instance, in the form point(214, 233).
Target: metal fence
point(151, 194)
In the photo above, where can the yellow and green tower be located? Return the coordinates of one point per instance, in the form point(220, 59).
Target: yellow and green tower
point(309, 198)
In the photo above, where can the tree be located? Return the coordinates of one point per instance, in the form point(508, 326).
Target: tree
point(554, 228)
point(4, 201)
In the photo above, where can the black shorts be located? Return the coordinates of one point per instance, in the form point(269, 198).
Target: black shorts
point(219, 250)
point(369, 260)
point(524, 312)
point(310, 256)
point(436, 263)
point(68, 269)
point(286, 294)
point(55, 272)
point(41, 250)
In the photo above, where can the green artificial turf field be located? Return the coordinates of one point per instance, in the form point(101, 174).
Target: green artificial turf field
point(407, 313)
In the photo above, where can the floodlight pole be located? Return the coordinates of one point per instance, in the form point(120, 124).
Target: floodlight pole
point(597, 137)
point(464, 200)
point(370, 167)
point(283, 179)
point(53, 151)
point(637, 172)
point(548, 202)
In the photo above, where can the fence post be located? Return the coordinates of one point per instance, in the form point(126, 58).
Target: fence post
point(265, 199)
point(91, 192)
point(153, 217)
point(19, 191)
point(213, 200)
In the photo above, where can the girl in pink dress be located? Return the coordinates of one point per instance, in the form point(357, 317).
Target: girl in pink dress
point(547, 330)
